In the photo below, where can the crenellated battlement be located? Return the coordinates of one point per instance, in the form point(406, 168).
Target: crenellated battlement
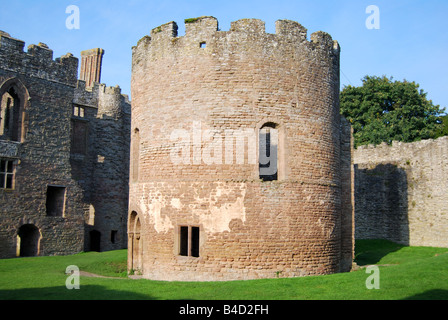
point(244, 35)
point(165, 30)
point(201, 25)
point(248, 26)
point(41, 51)
point(291, 28)
point(37, 61)
point(7, 43)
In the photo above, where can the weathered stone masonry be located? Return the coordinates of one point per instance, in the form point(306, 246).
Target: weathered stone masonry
point(103, 169)
point(217, 220)
point(401, 192)
point(64, 156)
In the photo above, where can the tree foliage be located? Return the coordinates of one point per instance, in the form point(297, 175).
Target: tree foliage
point(383, 110)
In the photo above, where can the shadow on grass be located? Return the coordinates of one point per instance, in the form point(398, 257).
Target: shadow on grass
point(436, 294)
point(372, 251)
point(86, 292)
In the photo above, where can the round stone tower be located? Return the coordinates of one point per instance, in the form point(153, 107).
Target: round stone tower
point(240, 163)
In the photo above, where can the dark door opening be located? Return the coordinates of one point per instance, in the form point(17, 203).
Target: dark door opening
point(29, 237)
point(95, 241)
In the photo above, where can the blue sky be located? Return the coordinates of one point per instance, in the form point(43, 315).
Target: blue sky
point(411, 44)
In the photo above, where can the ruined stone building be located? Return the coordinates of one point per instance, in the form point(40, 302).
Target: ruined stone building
point(240, 162)
point(64, 154)
point(402, 192)
point(236, 164)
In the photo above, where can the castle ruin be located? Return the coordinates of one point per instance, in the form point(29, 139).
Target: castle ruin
point(241, 166)
point(64, 154)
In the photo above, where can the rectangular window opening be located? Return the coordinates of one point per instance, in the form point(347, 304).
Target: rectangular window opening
point(113, 236)
point(78, 111)
point(189, 241)
point(183, 241)
point(6, 174)
point(195, 242)
point(55, 204)
point(203, 45)
point(268, 154)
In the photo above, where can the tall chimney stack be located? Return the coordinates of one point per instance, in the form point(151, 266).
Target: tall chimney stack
point(91, 61)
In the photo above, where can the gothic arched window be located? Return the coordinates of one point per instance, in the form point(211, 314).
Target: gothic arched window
point(13, 101)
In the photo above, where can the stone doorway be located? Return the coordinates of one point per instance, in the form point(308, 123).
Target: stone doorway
point(136, 244)
point(28, 241)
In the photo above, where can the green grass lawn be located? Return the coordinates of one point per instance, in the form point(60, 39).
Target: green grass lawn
point(409, 273)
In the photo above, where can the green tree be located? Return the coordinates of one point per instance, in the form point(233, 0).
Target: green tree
point(383, 110)
point(444, 128)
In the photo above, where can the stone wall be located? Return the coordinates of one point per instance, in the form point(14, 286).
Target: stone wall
point(104, 167)
point(45, 89)
point(70, 167)
point(401, 192)
point(194, 94)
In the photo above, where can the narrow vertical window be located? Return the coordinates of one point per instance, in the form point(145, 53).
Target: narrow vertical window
point(5, 115)
point(11, 117)
point(6, 174)
point(268, 152)
point(183, 241)
point(135, 155)
point(195, 242)
point(113, 236)
point(16, 115)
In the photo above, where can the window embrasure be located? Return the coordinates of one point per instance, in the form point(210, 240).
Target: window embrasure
point(189, 241)
point(268, 142)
